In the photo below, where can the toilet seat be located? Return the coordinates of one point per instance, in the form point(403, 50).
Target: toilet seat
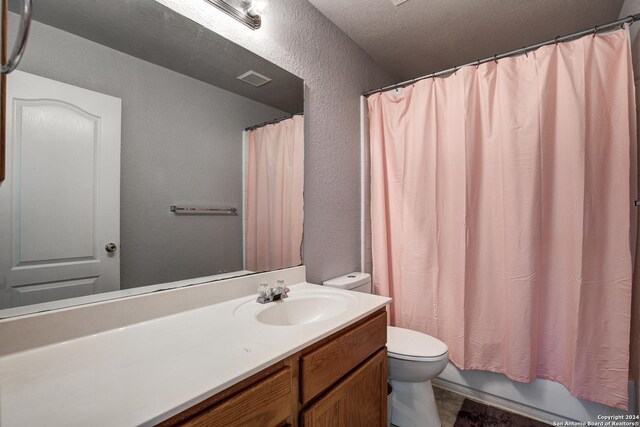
point(406, 344)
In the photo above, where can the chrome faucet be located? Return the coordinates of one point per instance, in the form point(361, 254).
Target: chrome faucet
point(267, 294)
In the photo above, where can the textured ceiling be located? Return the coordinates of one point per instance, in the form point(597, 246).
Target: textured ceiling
point(424, 36)
point(152, 32)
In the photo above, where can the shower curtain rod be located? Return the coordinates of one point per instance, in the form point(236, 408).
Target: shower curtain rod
point(524, 50)
point(273, 122)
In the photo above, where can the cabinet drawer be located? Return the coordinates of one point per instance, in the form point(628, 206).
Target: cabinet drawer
point(324, 365)
point(266, 403)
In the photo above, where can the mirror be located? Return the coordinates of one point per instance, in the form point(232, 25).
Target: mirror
point(143, 152)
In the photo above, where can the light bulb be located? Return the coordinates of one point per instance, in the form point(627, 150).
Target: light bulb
point(257, 7)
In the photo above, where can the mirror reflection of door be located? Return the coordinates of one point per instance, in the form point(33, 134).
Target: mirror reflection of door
point(60, 202)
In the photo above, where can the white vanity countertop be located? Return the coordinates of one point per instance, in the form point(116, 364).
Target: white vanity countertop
point(147, 372)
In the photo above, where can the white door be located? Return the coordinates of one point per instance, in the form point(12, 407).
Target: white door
point(60, 201)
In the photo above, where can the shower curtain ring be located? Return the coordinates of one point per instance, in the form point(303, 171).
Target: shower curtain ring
point(495, 58)
point(455, 70)
point(525, 51)
point(633, 19)
point(477, 64)
point(556, 39)
point(433, 76)
point(595, 31)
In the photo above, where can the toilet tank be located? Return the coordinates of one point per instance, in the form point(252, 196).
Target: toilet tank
point(359, 282)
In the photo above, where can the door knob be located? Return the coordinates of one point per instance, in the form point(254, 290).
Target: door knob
point(110, 247)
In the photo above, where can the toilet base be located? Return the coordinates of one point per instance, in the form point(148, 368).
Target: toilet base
point(414, 405)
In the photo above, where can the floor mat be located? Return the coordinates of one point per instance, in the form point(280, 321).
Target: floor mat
point(475, 414)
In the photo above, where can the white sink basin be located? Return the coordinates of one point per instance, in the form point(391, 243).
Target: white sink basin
point(301, 308)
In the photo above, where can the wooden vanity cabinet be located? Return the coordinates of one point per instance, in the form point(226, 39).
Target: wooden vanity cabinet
point(265, 399)
point(338, 381)
point(360, 399)
point(325, 362)
point(267, 402)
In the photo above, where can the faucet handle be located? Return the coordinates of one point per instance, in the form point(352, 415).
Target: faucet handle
point(264, 290)
point(281, 290)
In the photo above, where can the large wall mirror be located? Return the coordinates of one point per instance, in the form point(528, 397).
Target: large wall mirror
point(143, 151)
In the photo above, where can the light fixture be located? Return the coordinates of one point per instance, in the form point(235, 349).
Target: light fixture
point(256, 7)
point(246, 11)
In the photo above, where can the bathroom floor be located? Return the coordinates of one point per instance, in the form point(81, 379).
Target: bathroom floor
point(449, 404)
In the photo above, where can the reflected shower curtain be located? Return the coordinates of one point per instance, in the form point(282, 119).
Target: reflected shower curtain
point(274, 195)
point(500, 205)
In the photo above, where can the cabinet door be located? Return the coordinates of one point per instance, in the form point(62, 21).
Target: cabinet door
point(325, 365)
point(267, 403)
point(360, 399)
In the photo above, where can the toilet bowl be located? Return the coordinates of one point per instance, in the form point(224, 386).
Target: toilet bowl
point(414, 359)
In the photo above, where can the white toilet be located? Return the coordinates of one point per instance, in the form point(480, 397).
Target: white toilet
point(414, 359)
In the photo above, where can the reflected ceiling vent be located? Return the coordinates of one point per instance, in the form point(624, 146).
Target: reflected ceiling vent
point(397, 2)
point(253, 78)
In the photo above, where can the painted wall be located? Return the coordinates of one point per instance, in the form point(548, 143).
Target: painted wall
point(295, 36)
point(631, 7)
point(181, 144)
point(634, 362)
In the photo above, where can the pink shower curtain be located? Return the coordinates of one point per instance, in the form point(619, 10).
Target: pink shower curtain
point(500, 205)
point(274, 195)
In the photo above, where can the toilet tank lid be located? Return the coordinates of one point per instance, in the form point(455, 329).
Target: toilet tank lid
point(348, 281)
point(405, 342)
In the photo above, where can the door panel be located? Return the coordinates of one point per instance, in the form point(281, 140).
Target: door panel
point(59, 142)
point(59, 205)
point(45, 292)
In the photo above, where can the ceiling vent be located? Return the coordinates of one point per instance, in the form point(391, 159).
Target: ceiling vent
point(397, 2)
point(253, 78)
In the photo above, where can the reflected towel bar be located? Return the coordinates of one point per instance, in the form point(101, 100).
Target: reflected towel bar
point(204, 211)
